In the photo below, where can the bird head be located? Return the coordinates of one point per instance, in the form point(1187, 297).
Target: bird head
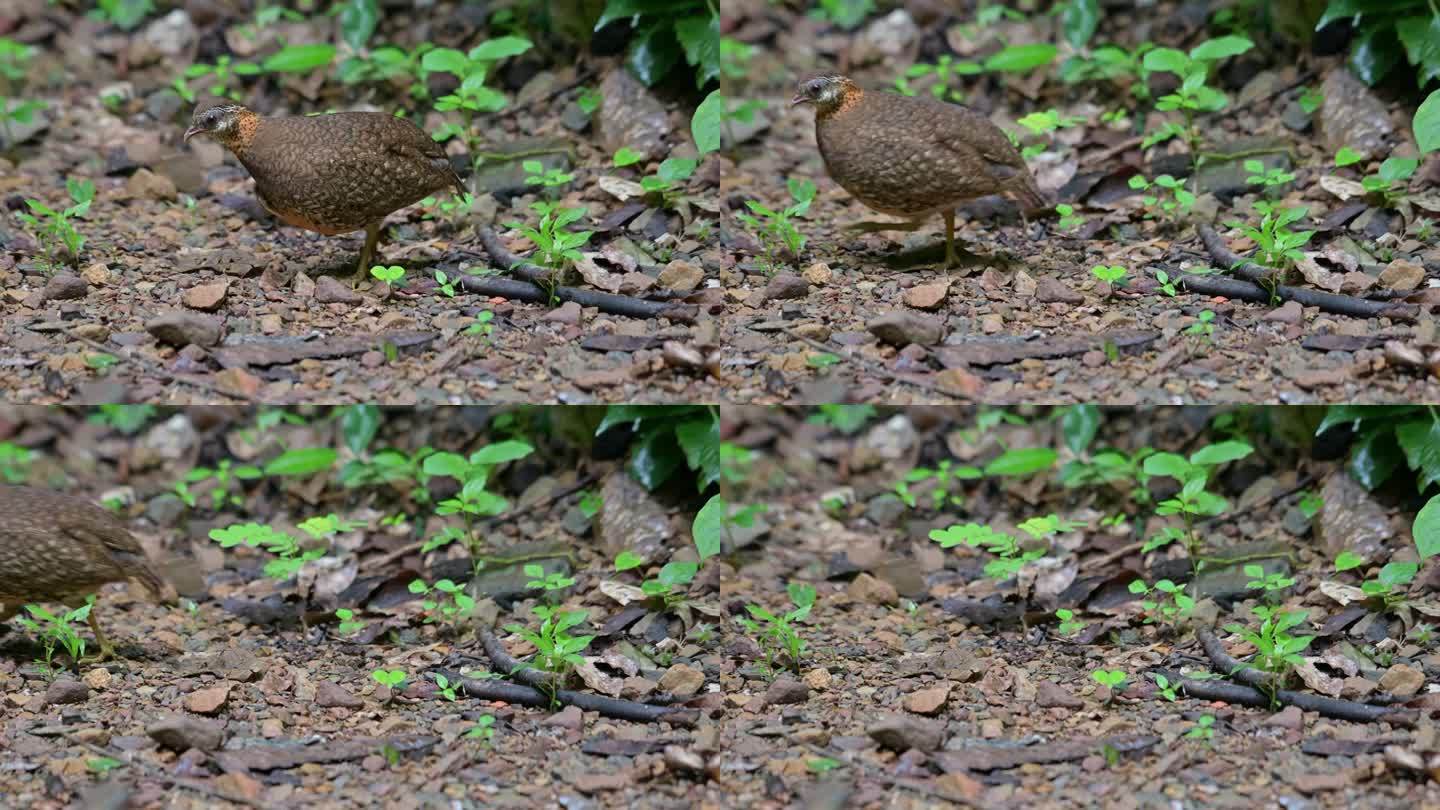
point(825, 92)
point(221, 122)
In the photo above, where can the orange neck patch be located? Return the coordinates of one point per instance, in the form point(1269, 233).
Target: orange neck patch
point(848, 99)
point(247, 124)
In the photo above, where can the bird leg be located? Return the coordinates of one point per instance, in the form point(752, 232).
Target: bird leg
point(951, 260)
point(107, 650)
point(372, 235)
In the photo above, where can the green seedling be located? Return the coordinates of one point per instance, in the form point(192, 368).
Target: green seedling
point(1310, 504)
point(1390, 583)
point(1390, 182)
point(1204, 728)
point(1068, 625)
point(1271, 179)
point(670, 584)
point(450, 209)
point(776, 229)
point(447, 689)
point(57, 631)
point(392, 678)
point(1421, 634)
point(627, 156)
point(1043, 124)
point(1111, 63)
point(393, 275)
point(1277, 650)
point(777, 635)
point(482, 327)
point(943, 77)
point(1112, 678)
point(483, 730)
point(665, 183)
point(590, 503)
point(1193, 500)
point(847, 419)
point(1347, 156)
point(551, 584)
point(538, 175)
point(1069, 220)
point(348, 625)
point(223, 77)
point(1114, 275)
point(445, 283)
point(1193, 96)
point(225, 475)
point(1167, 285)
point(1011, 556)
point(474, 499)
point(389, 64)
point(946, 488)
point(1166, 689)
point(1164, 196)
point(1347, 560)
point(1111, 468)
point(626, 560)
point(1157, 609)
point(290, 556)
point(1271, 584)
point(17, 111)
point(1310, 100)
point(436, 607)
point(1278, 246)
point(1204, 326)
point(555, 247)
point(123, 14)
point(556, 650)
point(55, 229)
point(14, 60)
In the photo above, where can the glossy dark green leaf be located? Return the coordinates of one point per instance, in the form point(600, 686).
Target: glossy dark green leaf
point(1079, 20)
point(1421, 37)
point(302, 461)
point(1374, 53)
point(358, 425)
point(299, 58)
point(699, 35)
point(700, 439)
point(1079, 425)
point(654, 458)
point(1427, 529)
point(653, 52)
point(1022, 461)
point(1375, 457)
point(1420, 439)
point(357, 22)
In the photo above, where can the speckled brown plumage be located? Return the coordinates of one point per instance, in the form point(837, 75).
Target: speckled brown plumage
point(332, 173)
point(59, 548)
point(913, 157)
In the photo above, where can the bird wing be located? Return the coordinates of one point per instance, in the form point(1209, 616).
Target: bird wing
point(433, 152)
point(118, 546)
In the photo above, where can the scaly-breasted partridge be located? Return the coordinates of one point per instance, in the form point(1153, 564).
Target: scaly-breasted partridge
point(59, 548)
point(913, 157)
point(332, 173)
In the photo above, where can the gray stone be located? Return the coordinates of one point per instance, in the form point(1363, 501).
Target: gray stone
point(65, 287)
point(180, 329)
point(901, 328)
point(1351, 115)
point(182, 733)
point(630, 115)
point(65, 691)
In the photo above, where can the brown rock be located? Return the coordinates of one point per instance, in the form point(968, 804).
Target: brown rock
point(330, 290)
point(181, 329)
point(239, 383)
point(1403, 680)
point(682, 679)
point(961, 382)
point(181, 733)
point(145, 184)
point(868, 589)
point(786, 286)
point(927, 701)
point(1050, 291)
point(64, 691)
point(927, 296)
point(818, 274)
point(329, 695)
point(904, 732)
point(208, 701)
point(1402, 274)
point(786, 690)
point(1051, 695)
point(1289, 312)
point(681, 275)
point(65, 287)
point(901, 328)
point(206, 297)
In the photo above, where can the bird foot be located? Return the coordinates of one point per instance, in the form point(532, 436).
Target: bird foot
point(107, 653)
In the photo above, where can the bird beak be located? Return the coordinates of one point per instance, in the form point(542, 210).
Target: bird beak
point(192, 132)
point(798, 99)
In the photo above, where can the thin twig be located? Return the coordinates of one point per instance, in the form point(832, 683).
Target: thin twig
point(1265, 278)
point(607, 706)
point(1264, 686)
point(607, 302)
